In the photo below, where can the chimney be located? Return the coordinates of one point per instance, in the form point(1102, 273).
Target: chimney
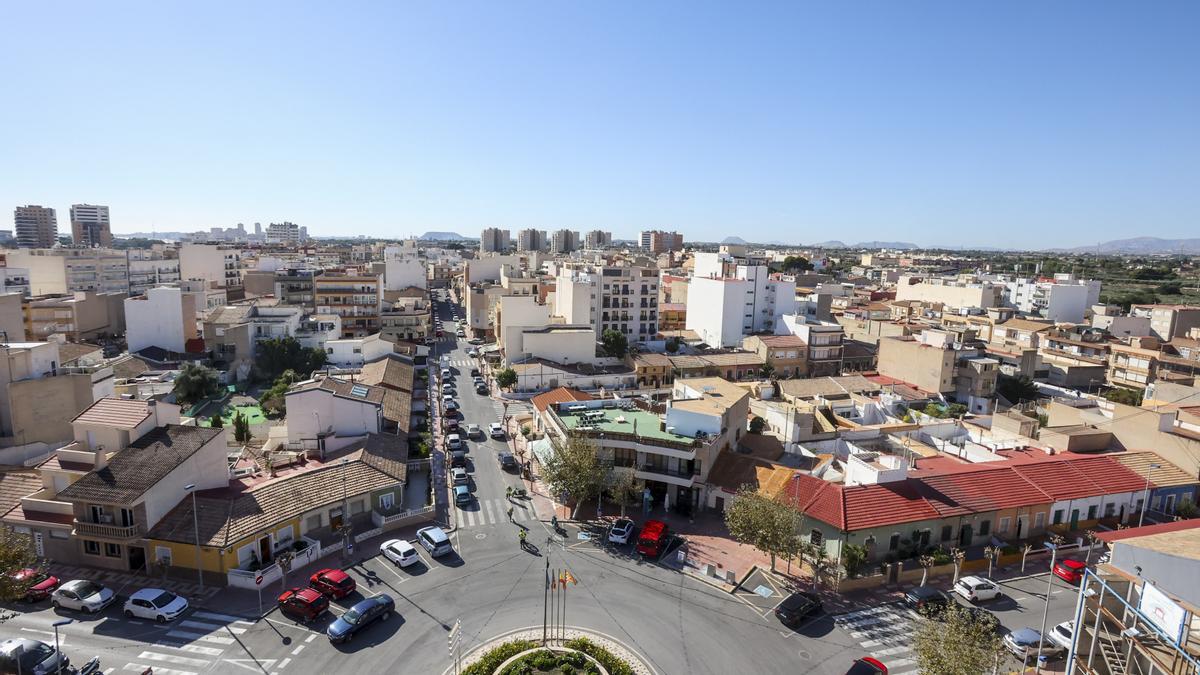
point(101, 459)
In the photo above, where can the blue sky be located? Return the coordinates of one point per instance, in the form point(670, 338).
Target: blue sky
point(1004, 124)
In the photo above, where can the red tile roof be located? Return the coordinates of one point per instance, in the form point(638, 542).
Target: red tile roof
point(1161, 528)
point(560, 395)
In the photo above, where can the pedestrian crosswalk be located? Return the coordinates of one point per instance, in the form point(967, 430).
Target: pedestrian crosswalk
point(494, 511)
point(190, 646)
point(886, 633)
point(462, 363)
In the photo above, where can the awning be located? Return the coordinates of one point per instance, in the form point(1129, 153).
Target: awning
point(543, 449)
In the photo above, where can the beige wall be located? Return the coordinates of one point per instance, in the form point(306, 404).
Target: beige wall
point(12, 317)
point(42, 409)
point(927, 367)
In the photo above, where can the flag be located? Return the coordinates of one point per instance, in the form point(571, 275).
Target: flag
point(567, 576)
point(562, 579)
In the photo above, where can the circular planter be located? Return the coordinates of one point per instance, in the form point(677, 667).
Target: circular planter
point(549, 648)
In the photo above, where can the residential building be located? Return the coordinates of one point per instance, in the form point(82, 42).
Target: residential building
point(932, 362)
point(284, 233)
point(1168, 321)
point(787, 355)
point(12, 317)
point(723, 309)
point(150, 268)
point(217, 265)
point(80, 316)
point(353, 296)
point(624, 299)
point(67, 270)
point(39, 396)
point(957, 293)
point(1132, 365)
point(651, 370)
point(532, 240)
point(403, 270)
point(323, 409)
point(354, 352)
point(405, 315)
point(824, 344)
point(564, 241)
point(164, 317)
point(36, 226)
point(317, 329)
point(294, 286)
point(494, 240)
point(729, 365)
point(90, 225)
point(14, 280)
point(595, 240)
point(658, 241)
point(1062, 299)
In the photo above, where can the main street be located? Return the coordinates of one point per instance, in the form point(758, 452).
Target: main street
point(677, 622)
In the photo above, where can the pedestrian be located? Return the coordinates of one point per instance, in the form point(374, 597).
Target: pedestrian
point(508, 493)
point(510, 514)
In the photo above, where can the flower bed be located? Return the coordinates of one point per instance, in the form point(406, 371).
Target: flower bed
point(579, 656)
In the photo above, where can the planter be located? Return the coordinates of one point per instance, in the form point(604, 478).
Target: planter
point(503, 668)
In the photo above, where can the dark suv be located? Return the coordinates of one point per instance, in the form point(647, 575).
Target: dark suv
point(927, 600)
point(797, 606)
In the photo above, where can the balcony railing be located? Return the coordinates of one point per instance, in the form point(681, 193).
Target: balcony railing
point(108, 531)
point(650, 468)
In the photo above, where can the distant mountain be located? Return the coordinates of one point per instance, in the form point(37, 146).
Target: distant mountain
point(734, 240)
point(886, 244)
point(1141, 245)
point(776, 242)
point(832, 243)
point(443, 236)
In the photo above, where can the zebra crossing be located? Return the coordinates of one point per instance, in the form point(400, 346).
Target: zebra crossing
point(462, 363)
point(492, 512)
point(886, 633)
point(190, 646)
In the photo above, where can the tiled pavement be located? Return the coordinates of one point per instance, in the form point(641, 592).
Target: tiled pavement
point(125, 583)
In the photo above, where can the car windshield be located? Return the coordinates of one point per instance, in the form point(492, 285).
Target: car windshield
point(87, 588)
point(352, 617)
point(163, 599)
point(344, 582)
point(1064, 631)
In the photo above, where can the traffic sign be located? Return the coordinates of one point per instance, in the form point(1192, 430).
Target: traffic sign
point(258, 579)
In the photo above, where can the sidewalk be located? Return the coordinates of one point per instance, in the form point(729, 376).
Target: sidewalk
point(180, 582)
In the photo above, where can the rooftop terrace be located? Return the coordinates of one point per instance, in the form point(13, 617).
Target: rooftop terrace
point(645, 425)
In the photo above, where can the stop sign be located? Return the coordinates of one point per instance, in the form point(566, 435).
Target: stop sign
point(258, 579)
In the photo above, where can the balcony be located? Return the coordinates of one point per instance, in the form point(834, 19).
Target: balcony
point(664, 475)
point(87, 529)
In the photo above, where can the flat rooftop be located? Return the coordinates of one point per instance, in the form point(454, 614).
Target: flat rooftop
point(619, 420)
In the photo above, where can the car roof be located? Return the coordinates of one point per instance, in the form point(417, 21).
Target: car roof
point(1073, 564)
point(26, 645)
point(1026, 634)
point(434, 532)
point(147, 593)
point(305, 594)
point(972, 580)
point(461, 489)
point(76, 583)
point(398, 543)
point(926, 591)
point(332, 573)
point(798, 599)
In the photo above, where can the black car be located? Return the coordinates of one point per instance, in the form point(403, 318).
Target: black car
point(361, 615)
point(507, 461)
point(482, 390)
point(927, 600)
point(474, 372)
point(796, 607)
point(458, 458)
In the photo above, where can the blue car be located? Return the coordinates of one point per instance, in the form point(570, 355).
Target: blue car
point(360, 616)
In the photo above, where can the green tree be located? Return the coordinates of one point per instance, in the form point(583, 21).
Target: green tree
point(757, 424)
point(506, 379)
point(959, 644)
point(625, 488)
point(277, 355)
point(766, 371)
point(854, 559)
point(1126, 396)
point(613, 343)
point(672, 345)
point(1017, 389)
point(241, 428)
point(765, 523)
point(195, 383)
point(16, 554)
point(574, 469)
point(795, 263)
point(216, 421)
point(1170, 288)
point(274, 400)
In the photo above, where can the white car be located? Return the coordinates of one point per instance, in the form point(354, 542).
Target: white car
point(82, 595)
point(496, 430)
point(458, 475)
point(399, 551)
point(155, 604)
point(446, 374)
point(621, 530)
point(1063, 634)
point(454, 441)
point(474, 431)
point(977, 589)
point(473, 353)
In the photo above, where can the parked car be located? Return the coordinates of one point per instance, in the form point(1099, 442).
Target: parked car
point(303, 604)
point(474, 430)
point(447, 399)
point(333, 582)
point(447, 388)
point(1063, 634)
point(82, 595)
point(446, 374)
point(400, 552)
point(475, 372)
point(1023, 644)
point(621, 531)
point(458, 476)
point(1070, 571)
point(926, 599)
point(450, 405)
point(449, 424)
point(434, 540)
point(473, 353)
point(796, 607)
point(867, 666)
point(362, 614)
point(38, 584)
point(976, 589)
point(454, 442)
point(458, 458)
point(462, 495)
point(22, 655)
point(496, 430)
point(507, 461)
point(481, 389)
point(155, 604)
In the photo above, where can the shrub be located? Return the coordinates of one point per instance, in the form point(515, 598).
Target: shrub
point(611, 663)
point(489, 662)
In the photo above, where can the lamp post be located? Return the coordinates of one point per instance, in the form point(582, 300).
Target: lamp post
point(57, 651)
point(1146, 493)
point(345, 510)
point(1045, 611)
point(191, 487)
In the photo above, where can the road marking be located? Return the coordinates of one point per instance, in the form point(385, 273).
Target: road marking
point(312, 637)
point(467, 517)
point(488, 505)
point(215, 639)
point(227, 618)
point(195, 649)
point(157, 670)
point(297, 650)
point(62, 639)
point(171, 658)
point(253, 665)
point(212, 626)
point(285, 661)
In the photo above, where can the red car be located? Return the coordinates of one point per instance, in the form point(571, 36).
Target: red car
point(41, 585)
point(303, 604)
point(867, 666)
point(334, 583)
point(1070, 571)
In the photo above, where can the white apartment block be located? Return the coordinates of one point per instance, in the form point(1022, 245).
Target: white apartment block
point(164, 317)
point(532, 240)
point(354, 352)
point(90, 225)
point(624, 299)
point(284, 233)
point(494, 240)
point(723, 309)
point(403, 269)
point(215, 264)
point(67, 270)
point(148, 269)
point(564, 241)
point(953, 292)
point(1063, 300)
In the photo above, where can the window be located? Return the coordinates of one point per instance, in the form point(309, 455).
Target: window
point(112, 550)
point(91, 547)
point(985, 527)
point(1003, 528)
point(163, 555)
point(386, 501)
point(1109, 510)
point(815, 537)
point(1039, 520)
point(947, 532)
point(894, 543)
point(313, 522)
point(1058, 516)
point(1092, 512)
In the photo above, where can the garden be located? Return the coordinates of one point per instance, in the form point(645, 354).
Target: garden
point(526, 657)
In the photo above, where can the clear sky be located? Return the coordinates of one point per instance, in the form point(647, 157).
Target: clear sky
point(968, 123)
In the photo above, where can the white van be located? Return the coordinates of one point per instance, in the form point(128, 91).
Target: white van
point(434, 540)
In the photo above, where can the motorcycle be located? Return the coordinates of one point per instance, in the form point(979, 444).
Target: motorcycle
point(90, 668)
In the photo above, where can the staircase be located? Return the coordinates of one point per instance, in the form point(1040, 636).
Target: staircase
point(1110, 649)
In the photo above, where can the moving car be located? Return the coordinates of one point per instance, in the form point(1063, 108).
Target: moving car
point(620, 531)
point(22, 655)
point(1070, 571)
point(156, 604)
point(473, 353)
point(303, 604)
point(496, 430)
point(1023, 644)
point(82, 595)
point(333, 582)
point(399, 551)
point(1063, 634)
point(361, 615)
point(434, 540)
point(481, 389)
point(796, 607)
point(458, 476)
point(474, 430)
point(507, 461)
point(976, 589)
point(926, 599)
point(867, 666)
point(462, 495)
point(39, 584)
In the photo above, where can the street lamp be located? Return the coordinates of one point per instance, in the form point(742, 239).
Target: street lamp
point(57, 651)
point(345, 510)
point(1046, 611)
point(1146, 493)
point(196, 527)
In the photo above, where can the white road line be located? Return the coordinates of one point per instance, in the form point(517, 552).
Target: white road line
point(285, 661)
point(188, 635)
point(297, 650)
point(310, 638)
point(195, 649)
point(488, 505)
point(892, 650)
point(900, 662)
point(178, 660)
point(212, 626)
point(227, 618)
point(141, 668)
point(468, 518)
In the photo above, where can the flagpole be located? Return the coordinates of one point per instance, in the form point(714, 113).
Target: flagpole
point(546, 599)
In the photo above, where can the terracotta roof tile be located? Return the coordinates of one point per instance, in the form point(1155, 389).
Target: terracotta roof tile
point(137, 468)
point(119, 412)
point(560, 395)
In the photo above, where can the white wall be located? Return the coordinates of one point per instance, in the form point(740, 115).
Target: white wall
point(400, 272)
point(207, 468)
point(716, 310)
point(345, 417)
point(353, 352)
point(156, 320)
point(688, 422)
point(1122, 326)
point(562, 346)
point(517, 312)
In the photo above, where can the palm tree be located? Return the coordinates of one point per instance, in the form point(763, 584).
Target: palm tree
point(1091, 536)
point(957, 555)
point(1025, 551)
point(991, 553)
point(926, 561)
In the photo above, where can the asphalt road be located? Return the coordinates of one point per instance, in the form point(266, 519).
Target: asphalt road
point(678, 623)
